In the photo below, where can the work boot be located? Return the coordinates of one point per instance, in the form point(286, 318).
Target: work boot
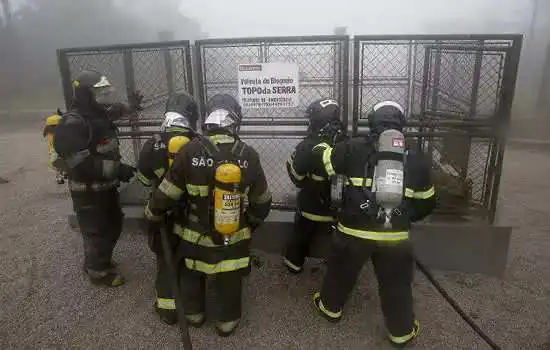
point(403, 341)
point(109, 278)
point(170, 317)
point(59, 179)
point(293, 269)
point(329, 315)
point(225, 329)
point(196, 320)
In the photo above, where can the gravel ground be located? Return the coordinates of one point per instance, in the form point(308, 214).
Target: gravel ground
point(48, 304)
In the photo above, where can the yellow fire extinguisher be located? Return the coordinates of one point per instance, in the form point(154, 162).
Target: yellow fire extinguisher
point(227, 199)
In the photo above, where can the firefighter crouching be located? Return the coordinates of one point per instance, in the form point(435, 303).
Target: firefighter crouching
point(87, 145)
point(314, 213)
point(49, 132)
point(156, 157)
point(375, 219)
point(217, 173)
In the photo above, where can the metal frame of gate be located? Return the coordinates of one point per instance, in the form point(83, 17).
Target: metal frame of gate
point(440, 80)
point(416, 66)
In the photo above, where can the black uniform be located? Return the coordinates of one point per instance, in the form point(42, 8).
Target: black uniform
point(361, 236)
point(314, 214)
point(155, 159)
point(86, 142)
point(202, 251)
point(153, 165)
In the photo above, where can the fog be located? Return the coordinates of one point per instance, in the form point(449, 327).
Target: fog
point(38, 27)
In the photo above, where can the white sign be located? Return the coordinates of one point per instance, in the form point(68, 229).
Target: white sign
point(268, 85)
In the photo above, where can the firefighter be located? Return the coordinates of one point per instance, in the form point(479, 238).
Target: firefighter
point(156, 157)
point(226, 198)
point(314, 212)
point(87, 145)
point(367, 231)
point(49, 132)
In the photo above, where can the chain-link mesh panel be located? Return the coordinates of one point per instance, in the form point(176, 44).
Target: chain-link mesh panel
point(461, 171)
point(462, 77)
point(321, 69)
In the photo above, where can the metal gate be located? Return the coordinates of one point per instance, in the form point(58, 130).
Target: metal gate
point(155, 69)
point(457, 92)
point(323, 64)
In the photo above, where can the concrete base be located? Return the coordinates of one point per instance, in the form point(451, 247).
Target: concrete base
point(464, 247)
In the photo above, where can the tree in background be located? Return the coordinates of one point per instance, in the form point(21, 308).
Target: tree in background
point(28, 64)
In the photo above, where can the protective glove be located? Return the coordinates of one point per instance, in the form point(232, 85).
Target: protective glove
point(135, 100)
point(126, 172)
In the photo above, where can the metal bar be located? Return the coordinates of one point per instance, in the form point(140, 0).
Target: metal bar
point(273, 39)
point(444, 123)
point(130, 89)
point(466, 48)
point(65, 71)
point(505, 109)
point(188, 66)
point(122, 47)
point(199, 72)
point(356, 83)
point(345, 81)
point(510, 37)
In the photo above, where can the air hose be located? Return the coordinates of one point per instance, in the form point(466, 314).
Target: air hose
point(455, 306)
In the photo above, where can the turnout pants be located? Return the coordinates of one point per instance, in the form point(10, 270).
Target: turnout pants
point(163, 281)
point(100, 219)
point(228, 288)
point(393, 266)
point(299, 242)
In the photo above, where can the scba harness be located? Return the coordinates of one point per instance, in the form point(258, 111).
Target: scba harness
point(226, 192)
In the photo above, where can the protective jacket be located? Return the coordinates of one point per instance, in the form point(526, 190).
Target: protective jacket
point(311, 178)
point(192, 175)
point(355, 159)
point(86, 141)
point(155, 157)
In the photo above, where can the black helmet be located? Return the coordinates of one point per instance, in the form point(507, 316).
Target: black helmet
point(181, 111)
point(386, 115)
point(86, 86)
point(324, 119)
point(223, 112)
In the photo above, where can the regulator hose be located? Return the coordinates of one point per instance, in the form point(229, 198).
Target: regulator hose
point(455, 306)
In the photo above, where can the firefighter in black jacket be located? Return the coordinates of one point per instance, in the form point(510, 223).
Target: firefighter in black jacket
point(314, 212)
point(217, 173)
point(366, 232)
point(88, 149)
point(156, 157)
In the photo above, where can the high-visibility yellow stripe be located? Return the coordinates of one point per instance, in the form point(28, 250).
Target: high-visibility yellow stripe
point(424, 194)
point(406, 338)
point(293, 171)
point(410, 193)
point(358, 181)
point(159, 172)
point(327, 154)
point(374, 235)
point(197, 190)
point(166, 304)
point(318, 218)
point(143, 179)
point(221, 139)
point(170, 189)
point(205, 241)
point(326, 311)
point(263, 198)
point(222, 266)
point(317, 177)
point(150, 216)
point(291, 265)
